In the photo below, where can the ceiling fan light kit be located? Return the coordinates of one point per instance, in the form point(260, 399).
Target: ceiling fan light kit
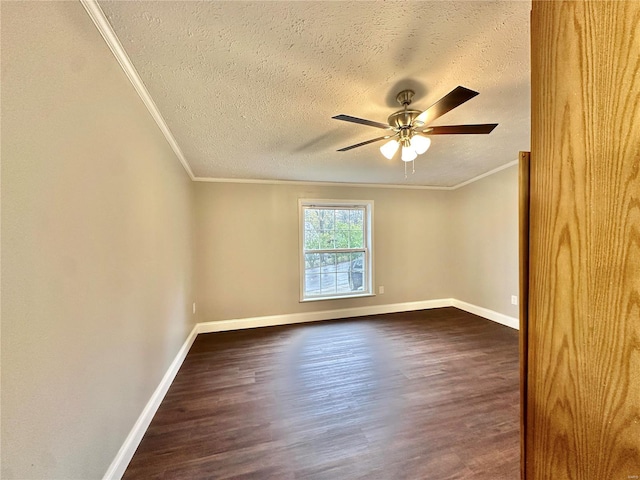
point(420, 144)
point(407, 125)
point(390, 148)
point(408, 154)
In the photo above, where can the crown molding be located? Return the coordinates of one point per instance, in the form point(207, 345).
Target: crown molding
point(316, 184)
point(351, 185)
point(486, 174)
point(104, 27)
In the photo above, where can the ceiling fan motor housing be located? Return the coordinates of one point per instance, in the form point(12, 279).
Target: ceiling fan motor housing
point(403, 118)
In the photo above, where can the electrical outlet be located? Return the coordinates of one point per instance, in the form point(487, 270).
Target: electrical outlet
point(194, 307)
point(381, 289)
point(514, 299)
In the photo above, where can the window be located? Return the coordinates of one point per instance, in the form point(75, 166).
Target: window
point(335, 241)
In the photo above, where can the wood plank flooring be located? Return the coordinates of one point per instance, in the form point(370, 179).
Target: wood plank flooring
point(421, 395)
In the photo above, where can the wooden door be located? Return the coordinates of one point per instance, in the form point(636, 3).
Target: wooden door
point(523, 235)
point(583, 371)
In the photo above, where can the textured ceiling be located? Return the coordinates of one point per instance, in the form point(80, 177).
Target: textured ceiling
point(249, 89)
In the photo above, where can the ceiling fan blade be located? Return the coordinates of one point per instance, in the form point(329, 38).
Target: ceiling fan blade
point(460, 129)
point(451, 100)
point(365, 143)
point(362, 121)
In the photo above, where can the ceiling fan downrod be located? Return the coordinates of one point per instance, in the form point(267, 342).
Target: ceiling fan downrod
point(403, 119)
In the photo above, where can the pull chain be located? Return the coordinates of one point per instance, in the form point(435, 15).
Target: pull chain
point(413, 168)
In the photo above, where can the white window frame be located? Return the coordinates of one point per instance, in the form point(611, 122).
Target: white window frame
point(367, 276)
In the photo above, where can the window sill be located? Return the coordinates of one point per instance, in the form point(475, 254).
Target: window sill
point(339, 297)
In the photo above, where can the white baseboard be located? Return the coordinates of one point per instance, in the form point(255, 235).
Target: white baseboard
point(291, 318)
point(122, 459)
point(488, 314)
point(130, 445)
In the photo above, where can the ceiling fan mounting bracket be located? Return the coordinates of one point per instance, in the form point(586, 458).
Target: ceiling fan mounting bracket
point(405, 96)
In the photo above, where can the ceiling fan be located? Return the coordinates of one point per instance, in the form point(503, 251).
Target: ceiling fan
point(406, 126)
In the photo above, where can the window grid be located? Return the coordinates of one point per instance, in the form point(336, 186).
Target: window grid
point(335, 251)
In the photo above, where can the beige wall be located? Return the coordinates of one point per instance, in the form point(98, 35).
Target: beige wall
point(96, 247)
point(484, 236)
point(428, 244)
point(247, 248)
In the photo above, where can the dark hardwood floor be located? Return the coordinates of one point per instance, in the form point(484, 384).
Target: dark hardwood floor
point(421, 395)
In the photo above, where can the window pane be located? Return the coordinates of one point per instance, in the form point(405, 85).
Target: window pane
point(327, 240)
point(312, 274)
point(342, 277)
point(356, 272)
point(312, 284)
point(311, 260)
point(311, 239)
point(328, 228)
point(342, 219)
point(328, 262)
point(342, 260)
point(311, 218)
point(356, 218)
point(328, 283)
point(343, 281)
point(356, 239)
point(357, 261)
point(341, 238)
point(326, 219)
